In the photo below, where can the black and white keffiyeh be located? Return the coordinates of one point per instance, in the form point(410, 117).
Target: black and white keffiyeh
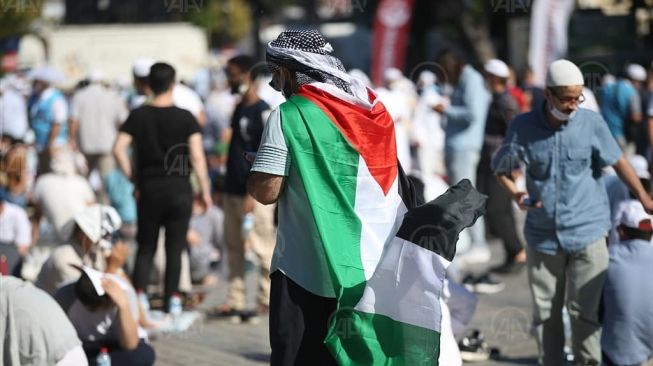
point(308, 54)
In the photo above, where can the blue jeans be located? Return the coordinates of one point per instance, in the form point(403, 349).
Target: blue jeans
point(462, 165)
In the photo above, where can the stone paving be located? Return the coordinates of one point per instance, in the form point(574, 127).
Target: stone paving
point(504, 318)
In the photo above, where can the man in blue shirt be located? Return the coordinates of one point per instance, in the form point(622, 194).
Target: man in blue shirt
point(465, 125)
point(564, 148)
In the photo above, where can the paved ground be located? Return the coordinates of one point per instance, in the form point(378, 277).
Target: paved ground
point(503, 317)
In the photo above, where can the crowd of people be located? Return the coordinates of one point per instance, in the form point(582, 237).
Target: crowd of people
point(100, 177)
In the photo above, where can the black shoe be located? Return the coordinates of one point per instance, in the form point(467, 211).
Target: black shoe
point(473, 347)
point(508, 268)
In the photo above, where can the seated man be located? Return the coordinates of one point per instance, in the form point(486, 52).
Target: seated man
point(103, 308)
point(627, 337)
point(35, 329)
point(93, 227)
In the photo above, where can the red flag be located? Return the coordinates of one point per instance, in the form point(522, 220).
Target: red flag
point(391, 29)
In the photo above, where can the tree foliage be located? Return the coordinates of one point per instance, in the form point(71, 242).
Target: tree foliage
point(226, 21)
point(16, 16)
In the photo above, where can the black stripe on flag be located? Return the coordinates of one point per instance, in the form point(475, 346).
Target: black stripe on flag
point(436, 225)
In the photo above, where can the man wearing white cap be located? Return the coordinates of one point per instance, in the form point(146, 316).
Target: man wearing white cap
point(621, 105)
point(499, 216)
point(91, 245)
point(627, 337)
point(564, 147)
point(96, 113)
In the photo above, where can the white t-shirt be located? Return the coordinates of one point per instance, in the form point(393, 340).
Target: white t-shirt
point(99, 111)
point(15, 227)
point(61, 197)
point(13, 114)
point(185, 98)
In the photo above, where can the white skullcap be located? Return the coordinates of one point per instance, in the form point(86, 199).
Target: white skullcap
point(564, 73)
point(427, 77)
point(497, 67)
point(46, 74)
point(640, 166)
point(392, 74)
point(636, 72)
point(95, 77)
point(141, 67)
point(631, 214)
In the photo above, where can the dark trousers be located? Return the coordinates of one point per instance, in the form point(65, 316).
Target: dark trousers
point(298, 324)
point(500, 218)
point(143, 355)
point(167, 203)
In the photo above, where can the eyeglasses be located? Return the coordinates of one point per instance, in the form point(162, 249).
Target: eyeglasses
point(570, 100)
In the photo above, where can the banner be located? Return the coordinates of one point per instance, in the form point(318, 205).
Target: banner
point(391, 30)
point(548, 35)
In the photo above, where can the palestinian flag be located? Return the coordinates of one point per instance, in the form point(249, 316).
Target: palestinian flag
point(386, 255)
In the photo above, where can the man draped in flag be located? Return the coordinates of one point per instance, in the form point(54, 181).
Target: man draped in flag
point(358, 267)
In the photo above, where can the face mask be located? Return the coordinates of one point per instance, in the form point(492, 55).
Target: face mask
point(557, 114)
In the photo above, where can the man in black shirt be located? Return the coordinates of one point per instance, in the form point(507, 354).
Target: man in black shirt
point(247, 128)
point(167, 144)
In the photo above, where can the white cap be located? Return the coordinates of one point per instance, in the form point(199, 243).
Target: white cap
point(427, 77)
point(46, 74)
point(631, 214)
point(392, 74)
point(640, 166)
point(636, 72)
point(497, 67)
point(141, 67)
point(98, 221)
point(95, 77)
point(563, 73)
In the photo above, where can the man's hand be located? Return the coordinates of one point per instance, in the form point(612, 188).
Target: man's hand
point(193, 238)
point(520, 198)
point(115, 292)
point(439, 108)
point(248, 204)
point(208, 201)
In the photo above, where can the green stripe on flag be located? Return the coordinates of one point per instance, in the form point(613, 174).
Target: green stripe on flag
point(373, 339)
point(328, 166)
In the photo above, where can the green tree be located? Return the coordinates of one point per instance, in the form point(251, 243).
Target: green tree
point(226, 21)
point(16, 16)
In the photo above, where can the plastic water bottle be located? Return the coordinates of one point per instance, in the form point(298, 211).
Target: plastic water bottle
point(175, 309)
point(103, 358)
point(144, 301)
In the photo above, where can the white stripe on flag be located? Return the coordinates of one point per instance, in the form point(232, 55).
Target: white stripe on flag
point(407, 286)
point(378, 214)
